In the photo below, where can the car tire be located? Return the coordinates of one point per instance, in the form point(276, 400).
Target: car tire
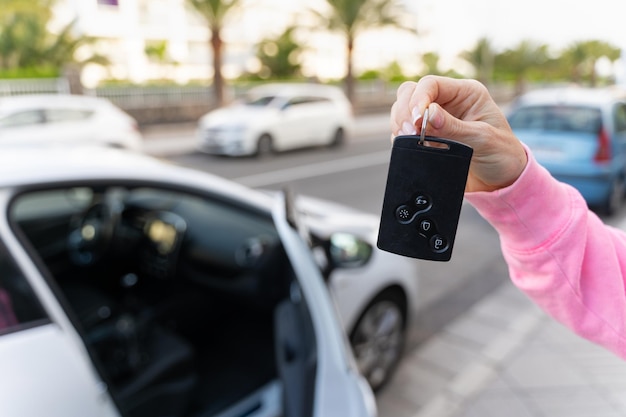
point(338, 139)
point(264, 145)
point(378, 337)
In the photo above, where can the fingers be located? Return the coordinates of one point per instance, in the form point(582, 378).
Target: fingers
point(401, 120)
point(412, 100)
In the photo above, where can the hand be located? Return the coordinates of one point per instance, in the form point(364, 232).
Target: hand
point(463, 110)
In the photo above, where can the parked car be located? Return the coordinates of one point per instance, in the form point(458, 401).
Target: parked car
point(133, 287)
point(277, 117)
point(64, 119)
point(579, 135)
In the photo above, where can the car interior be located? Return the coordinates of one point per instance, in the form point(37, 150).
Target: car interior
point(186, 302)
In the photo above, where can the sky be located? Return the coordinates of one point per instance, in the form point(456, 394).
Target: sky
point(452, 25)
point(448, 27)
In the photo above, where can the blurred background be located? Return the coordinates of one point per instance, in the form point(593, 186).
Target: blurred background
point(173, 60)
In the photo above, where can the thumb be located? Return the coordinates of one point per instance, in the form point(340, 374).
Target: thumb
point(446, 125)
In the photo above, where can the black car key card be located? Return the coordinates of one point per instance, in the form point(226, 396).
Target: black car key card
point(423, 197)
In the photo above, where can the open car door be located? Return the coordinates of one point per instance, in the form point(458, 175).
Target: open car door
point(318, 372)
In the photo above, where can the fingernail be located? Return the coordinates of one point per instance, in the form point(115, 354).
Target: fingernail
point(416, 115)
point(408, 129)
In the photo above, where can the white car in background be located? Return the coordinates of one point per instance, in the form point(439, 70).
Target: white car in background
point(277, 117)
point(152, 289)
point(64, 119)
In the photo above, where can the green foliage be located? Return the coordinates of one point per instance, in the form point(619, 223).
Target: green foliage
point(392, 73)
point(431, 62)
point(37, 72)
point(26, 45)
point(352, 17)
point(582, 57)
point(215, 11)
point(481, 57)
point(371, 75)
point(280, 57)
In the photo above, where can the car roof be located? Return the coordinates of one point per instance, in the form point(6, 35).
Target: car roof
point(28, 101)
point(24, 166)
point(572, 96)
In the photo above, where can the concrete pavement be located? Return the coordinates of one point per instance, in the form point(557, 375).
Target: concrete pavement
point(504, 357)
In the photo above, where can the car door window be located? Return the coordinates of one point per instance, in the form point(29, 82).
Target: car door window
point(19, 307)
point(67, 115)
point(22, 118)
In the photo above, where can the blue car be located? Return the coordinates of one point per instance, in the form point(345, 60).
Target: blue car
point(579, 135)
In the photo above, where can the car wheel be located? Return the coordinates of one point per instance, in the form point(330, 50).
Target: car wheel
point(616, 197)
point(378, 336)
point(339, 137)
point(264, 145)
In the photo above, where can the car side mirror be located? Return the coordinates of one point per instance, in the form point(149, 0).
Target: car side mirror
point(348, 251)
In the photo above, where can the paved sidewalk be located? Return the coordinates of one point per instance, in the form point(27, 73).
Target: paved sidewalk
point(504, 357)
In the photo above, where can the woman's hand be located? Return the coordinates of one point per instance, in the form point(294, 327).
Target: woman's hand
point(463, 110)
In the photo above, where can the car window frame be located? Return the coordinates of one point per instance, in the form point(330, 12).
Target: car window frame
point(41, 119)
point(19, 260)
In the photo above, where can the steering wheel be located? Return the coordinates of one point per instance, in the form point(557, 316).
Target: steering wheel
point(91, 235)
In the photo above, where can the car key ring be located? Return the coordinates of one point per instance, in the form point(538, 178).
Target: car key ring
point(424, 124)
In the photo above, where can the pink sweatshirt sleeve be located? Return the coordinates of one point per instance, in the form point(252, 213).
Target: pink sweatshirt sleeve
point(561, 254)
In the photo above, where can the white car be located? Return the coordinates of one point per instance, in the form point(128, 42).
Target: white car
point(132, 287)
point(277, 117)
point(64, 119)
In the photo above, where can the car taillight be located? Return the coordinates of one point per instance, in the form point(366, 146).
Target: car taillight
point(603, 154)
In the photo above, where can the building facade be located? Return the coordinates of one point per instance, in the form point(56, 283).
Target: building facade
point(147, 40)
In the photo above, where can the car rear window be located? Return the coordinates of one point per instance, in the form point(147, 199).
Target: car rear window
point(557, 118)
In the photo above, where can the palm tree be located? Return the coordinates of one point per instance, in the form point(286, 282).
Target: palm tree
point(215, 12)
point(583, 56)
point(351, 17)
point(520, 62)
point(431, 62)
point(280, 57)
point(26, 44)
point(481, 58)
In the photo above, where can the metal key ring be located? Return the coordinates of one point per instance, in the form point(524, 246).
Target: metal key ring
point(424, 123)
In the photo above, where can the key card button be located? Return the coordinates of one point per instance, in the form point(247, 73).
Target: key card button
point(404, 214)
point(438, 243)
point(422, 202)
point(426, 227)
